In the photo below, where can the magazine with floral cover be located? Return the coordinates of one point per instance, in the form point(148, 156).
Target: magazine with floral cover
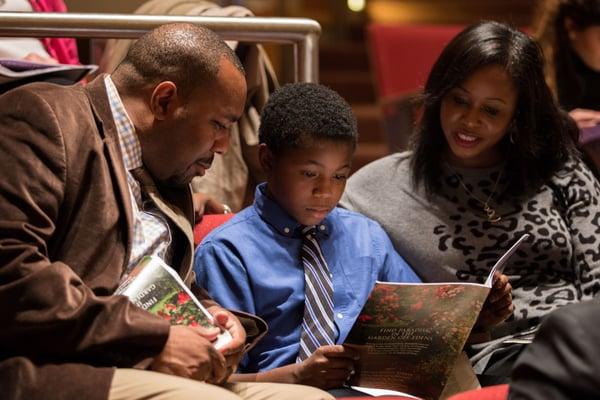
point(410, 335)
point(155, 287)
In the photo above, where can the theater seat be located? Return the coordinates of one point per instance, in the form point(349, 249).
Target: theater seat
point(207, 224)
point(401, 57)
point(496, 392)
point(377, 397)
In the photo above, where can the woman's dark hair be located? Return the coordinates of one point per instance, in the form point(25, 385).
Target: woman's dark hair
point(298, 112)
point(583, 14)
point(542, 134)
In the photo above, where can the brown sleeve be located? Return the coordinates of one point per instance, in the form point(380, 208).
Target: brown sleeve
point(48, 312)
point(254, 326)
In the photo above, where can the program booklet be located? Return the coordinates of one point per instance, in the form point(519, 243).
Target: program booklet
point(15, 73)
point(409, 335)
point(155, 287)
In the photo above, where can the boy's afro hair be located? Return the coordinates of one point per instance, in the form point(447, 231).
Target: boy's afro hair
point(297, 112)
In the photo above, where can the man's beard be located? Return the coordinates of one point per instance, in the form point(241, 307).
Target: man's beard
point(183, 180)
point(177, 181)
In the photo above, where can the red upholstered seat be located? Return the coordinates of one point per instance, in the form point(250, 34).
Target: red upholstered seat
point(496, 392)
point(401, 57)
point(207, 224)
point(378, 398)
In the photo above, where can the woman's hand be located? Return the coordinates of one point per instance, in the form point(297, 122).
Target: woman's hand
point(498, 306)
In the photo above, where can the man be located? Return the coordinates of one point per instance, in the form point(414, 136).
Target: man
point(94, 179)
point(563, 362)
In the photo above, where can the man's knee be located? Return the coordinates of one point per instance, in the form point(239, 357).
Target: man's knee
point(306, 393)
point(131, 384)
point(278, 391)
point(195, 391)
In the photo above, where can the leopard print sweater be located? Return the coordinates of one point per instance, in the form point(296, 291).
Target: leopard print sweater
point(450, 238)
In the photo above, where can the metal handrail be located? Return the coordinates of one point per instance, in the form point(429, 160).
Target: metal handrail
point(302, 33)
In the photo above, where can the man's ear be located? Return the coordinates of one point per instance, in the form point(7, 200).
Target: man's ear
point(266, 158)
point(164, 100)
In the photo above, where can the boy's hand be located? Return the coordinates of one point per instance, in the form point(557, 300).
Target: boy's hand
point(234, 350)
point(498, 306)
point(328, 367)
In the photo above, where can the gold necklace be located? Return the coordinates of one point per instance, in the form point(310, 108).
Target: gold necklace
point(491, 214)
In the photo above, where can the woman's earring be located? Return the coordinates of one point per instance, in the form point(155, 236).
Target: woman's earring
point(512, 132)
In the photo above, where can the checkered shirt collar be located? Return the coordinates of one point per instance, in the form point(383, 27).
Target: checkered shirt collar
point(128, 140)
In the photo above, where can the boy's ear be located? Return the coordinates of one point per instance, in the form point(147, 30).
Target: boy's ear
point(265, 157)
point(164, 100)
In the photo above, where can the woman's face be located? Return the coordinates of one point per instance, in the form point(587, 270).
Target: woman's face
point(475, 116)
point(586, 43)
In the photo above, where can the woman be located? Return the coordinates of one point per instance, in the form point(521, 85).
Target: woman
point(568, 31)
point(492, 159)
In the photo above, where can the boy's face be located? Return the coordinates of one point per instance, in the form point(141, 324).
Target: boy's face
point(308, 182)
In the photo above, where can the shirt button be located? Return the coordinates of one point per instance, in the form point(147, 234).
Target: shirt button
point(286, 230)
point(340, 315)
point(331, 275)
point(322, 227)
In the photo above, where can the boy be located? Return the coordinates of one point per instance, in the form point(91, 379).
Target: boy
point(259, 262)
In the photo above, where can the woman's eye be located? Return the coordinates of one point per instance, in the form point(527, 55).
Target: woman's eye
point(491, 111)
point(309, 174)
point(460, 100)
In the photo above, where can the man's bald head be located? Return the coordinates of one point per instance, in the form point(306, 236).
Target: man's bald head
point(188, 55)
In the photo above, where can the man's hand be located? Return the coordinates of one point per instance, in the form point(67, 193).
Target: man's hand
point(498, 306)
point(328, 367)
point(234, 350)
point(204, 204)
point(189, 353)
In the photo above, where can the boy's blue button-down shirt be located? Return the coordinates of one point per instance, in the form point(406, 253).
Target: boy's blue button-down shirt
point(251, 263)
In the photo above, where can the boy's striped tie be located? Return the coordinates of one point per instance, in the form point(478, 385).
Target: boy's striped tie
point(318, 328)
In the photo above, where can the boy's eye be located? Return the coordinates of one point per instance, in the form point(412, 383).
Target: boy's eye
point(340, 177)
point(218, 125)
point(309, 174)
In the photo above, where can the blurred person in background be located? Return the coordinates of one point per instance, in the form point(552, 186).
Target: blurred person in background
point(569, 33)
point(45, 50)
